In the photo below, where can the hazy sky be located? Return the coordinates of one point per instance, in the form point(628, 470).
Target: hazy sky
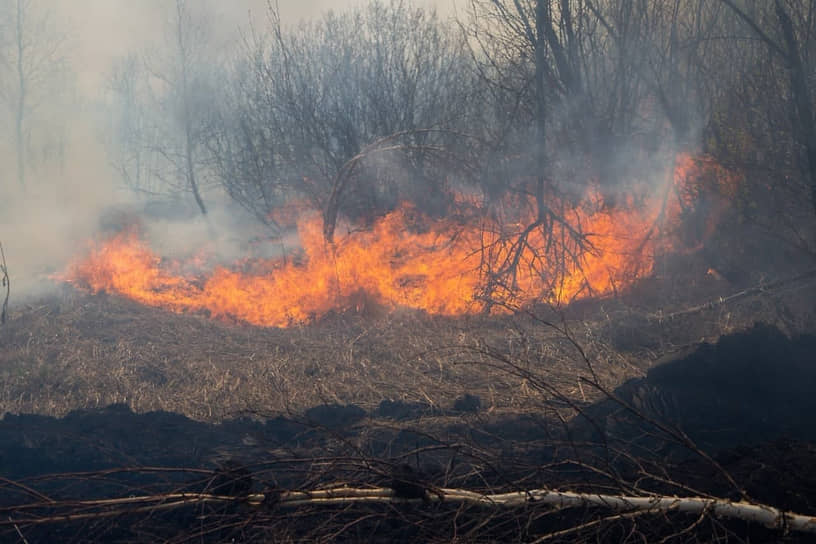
point(101, 30)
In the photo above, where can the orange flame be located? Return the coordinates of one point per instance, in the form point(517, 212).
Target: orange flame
point(445, 268)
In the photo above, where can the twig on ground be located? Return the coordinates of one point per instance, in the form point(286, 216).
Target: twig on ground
point(20, 534)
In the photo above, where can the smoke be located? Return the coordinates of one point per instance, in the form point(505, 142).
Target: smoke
point(73, 192)
point(71, 188)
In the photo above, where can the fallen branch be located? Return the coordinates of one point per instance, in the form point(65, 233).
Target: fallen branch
point(751, 291)
point(626, 505)
point(766, 515)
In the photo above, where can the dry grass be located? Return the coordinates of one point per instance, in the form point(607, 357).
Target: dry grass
point(75, 350)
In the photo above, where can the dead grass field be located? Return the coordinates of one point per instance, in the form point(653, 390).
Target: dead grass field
point(73, 350)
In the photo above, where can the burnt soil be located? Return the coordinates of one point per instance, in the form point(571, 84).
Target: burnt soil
point(106, 398)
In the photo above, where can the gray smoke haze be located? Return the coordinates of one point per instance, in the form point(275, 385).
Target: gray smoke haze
point(71, 185)
point(103, 30)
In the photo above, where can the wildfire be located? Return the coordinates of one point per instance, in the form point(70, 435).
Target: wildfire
point(447, 267)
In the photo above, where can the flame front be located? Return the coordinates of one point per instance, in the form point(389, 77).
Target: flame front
point(445, 268)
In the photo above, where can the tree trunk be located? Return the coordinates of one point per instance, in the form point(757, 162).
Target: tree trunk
point(541, 12)
point(801, 96)
point(21, 104)
point(189, 161)
point(18, 135)
point(191, 177)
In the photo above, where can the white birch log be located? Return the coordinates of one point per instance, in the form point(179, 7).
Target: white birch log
point(759, 513)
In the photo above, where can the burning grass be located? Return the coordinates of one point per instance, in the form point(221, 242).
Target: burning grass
point(482, 258)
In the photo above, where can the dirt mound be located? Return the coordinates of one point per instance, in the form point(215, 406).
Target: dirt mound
point(748, 387)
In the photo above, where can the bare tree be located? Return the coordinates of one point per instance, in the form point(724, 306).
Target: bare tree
point(184, 80)
point(589, 72)
point(529, 53)
point(589, 94)
point(788, 33)
point(161, 100)
point(134, 127)
point(33, 66)
point(310, 104)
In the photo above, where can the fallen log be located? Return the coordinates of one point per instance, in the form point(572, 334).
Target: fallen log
point(624, 505)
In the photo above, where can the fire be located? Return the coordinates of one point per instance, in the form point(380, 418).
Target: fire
point(447, 267)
